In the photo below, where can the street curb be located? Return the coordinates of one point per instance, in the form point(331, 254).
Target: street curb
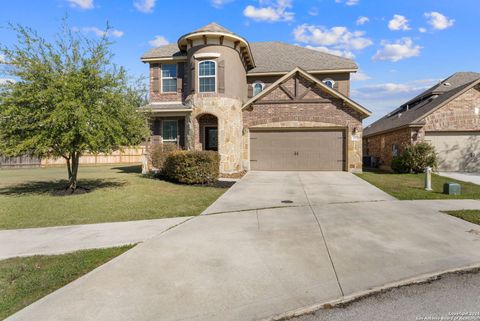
point(423, 278)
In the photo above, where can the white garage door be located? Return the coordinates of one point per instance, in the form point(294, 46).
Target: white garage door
point(457, 151)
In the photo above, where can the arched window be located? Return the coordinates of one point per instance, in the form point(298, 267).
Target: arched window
point(329, 82)
point(207, 76)
point(258, 87)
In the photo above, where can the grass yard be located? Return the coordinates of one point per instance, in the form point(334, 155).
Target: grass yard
point(473, 216)
point(118, 193)
point(410, 186)
point(25, 280)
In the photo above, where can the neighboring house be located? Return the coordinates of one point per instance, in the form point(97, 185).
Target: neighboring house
point(446, 115)
point(263, 106)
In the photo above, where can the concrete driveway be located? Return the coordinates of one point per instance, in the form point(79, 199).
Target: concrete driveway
point(254, 264)
point(463, 176)
point(259, 190)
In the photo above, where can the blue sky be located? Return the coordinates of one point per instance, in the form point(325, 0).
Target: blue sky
point(402, 47)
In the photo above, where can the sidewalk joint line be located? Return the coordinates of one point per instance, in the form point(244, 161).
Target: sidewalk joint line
point(323, 236)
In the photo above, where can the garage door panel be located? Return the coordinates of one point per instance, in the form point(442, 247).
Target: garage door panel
point(457, 151)
point(297, 150)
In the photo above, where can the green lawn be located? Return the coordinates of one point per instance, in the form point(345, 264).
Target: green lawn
point(473, 216)
point(25, 280)
point(118, 193)
point(410, 186)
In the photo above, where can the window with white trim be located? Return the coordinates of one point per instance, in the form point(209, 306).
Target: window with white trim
point(329, 82)
point(258, 87)
point(207, 76)
point(169, 129)
point(169, 78)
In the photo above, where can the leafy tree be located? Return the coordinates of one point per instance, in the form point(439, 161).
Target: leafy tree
point(68, 99)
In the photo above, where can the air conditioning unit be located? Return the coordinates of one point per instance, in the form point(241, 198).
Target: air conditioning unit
point(370, 162)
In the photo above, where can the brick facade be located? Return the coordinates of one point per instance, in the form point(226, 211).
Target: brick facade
point(381, 146)
point(157, 95)
point(328, 114)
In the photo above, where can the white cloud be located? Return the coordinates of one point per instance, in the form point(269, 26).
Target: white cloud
point(82, 4)
point(2, 59)
point(313, 11)
point(439, 21)
point(4, 81)
point(271, 11)
point(359, 76)
point(336, 52)
point(402, 49)
point(158, 41)
point(398, 23)
point(422, 30)
point(145, 6)
point(362, 20)
point(99, 32)
point(336, 40)
point(348, 2)
point(219, 3)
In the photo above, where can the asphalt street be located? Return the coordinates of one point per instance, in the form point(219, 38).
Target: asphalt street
point(453, 297)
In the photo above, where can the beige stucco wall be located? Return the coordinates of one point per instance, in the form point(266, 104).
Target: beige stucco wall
point(235, 74)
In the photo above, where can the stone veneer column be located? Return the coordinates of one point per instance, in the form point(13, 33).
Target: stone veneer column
point(230, 124)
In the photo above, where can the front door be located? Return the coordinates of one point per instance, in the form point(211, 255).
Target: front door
point(211, 138)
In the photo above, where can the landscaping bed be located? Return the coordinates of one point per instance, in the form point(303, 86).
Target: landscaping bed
point(24, 280)
point(411, 186)
point(116, 193)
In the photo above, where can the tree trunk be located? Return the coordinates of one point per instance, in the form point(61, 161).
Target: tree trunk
point(72, 165)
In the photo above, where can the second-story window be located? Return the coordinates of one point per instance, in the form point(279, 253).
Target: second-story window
point(169, 78)
point(207, 76)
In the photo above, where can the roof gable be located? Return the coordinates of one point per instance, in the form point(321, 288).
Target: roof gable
point(316, 84)
point(415, 110)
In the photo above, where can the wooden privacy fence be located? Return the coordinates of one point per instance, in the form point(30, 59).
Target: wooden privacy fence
point(128, 155)
point(21, 161)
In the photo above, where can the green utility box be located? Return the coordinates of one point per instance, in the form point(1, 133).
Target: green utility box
point(451, 188)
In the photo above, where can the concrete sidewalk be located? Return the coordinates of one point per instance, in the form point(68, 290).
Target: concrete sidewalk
point(250, 265)
point(62, 239)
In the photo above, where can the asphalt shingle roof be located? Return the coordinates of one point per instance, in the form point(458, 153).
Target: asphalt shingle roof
point(418, 107)
point(274, 57)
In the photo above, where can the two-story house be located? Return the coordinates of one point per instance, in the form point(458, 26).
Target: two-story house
point(262, 106)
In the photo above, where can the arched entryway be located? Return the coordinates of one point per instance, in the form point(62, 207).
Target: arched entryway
point(208, 132)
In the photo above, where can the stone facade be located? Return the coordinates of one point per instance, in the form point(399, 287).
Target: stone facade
point(229, 117)
point(457, 115)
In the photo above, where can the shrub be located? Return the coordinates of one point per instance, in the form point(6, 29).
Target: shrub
point(398, 165)
point(159, 153)
point(192, 167)
point(417, 157)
